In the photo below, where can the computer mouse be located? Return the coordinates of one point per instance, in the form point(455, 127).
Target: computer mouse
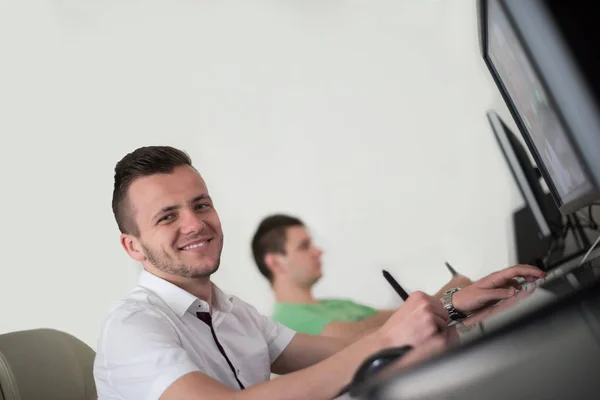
point(376, 362)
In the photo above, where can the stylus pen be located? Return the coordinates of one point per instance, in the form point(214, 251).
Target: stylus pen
point(395, 285)
point(452, 271)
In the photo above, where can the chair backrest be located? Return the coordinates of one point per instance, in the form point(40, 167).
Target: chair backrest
point(45, 364)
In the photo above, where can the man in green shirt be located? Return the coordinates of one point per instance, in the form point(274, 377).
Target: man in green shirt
point(286, 255)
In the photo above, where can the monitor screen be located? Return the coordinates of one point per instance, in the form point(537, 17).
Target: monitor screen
point(548, 139)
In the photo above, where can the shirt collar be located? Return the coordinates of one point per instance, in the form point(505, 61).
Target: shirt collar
point(182, 301)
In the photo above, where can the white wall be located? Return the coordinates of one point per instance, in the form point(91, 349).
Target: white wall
point(364, 118)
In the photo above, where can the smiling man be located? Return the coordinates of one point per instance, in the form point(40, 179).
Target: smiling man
point(176, 335)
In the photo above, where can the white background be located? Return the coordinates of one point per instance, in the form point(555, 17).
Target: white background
point(364, 118)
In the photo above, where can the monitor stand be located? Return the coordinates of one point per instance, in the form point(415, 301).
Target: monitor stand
point(546, 252)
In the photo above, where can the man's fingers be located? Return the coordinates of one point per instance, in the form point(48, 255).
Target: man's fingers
point(493, 295)
point(524, 271)
point(439, 310)
point(514, 283)
point(426, 303)
point(433, 324)
point(442, 323)
point(501, 278)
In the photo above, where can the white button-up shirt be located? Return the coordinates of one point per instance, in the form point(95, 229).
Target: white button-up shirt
point(153, 337)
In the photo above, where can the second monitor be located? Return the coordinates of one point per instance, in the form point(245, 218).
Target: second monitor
point(539, 227)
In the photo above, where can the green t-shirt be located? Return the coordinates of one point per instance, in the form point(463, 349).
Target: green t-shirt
point(312, 318)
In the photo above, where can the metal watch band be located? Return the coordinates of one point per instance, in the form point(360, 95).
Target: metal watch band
point(449, 306)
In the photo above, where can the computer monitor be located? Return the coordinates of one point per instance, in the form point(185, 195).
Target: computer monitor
point(544, 83)
point(526, 176)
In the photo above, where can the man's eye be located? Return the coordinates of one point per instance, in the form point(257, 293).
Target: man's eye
point(167, 217)
point(201, 206)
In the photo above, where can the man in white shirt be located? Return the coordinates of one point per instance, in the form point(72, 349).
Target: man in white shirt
point(177, 336)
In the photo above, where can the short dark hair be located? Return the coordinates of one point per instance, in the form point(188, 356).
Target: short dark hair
point(144, 161)
point(270, 237)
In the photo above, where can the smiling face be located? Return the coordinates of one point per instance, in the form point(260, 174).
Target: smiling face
point(180, 232)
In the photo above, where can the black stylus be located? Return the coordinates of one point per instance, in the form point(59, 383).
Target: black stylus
point(395, 285)
point(452, 271)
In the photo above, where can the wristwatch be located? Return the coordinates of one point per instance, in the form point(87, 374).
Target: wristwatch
point(454, 314)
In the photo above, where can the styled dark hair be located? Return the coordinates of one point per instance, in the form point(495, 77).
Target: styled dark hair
point(270, 237)
point(144, 161)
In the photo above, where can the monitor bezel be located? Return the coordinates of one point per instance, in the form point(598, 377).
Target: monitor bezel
point(566, 207)
point(499, 129)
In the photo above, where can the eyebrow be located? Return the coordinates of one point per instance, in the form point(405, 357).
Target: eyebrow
point(167, 209)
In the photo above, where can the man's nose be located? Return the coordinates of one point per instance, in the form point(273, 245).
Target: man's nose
point(191, 223)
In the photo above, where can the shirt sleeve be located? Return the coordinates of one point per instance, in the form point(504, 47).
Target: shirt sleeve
point(139, 354)
point(275, 334)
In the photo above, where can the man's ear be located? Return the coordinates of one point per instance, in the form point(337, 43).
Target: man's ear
point(133, 247)
point(275, 262)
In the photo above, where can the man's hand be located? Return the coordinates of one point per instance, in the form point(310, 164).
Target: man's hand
point(495, 287)
point(459, 281)
point(419, 318)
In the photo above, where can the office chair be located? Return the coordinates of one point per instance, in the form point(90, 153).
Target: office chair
point(45, 364)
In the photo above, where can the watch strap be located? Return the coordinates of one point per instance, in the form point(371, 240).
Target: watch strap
point(449, 305)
